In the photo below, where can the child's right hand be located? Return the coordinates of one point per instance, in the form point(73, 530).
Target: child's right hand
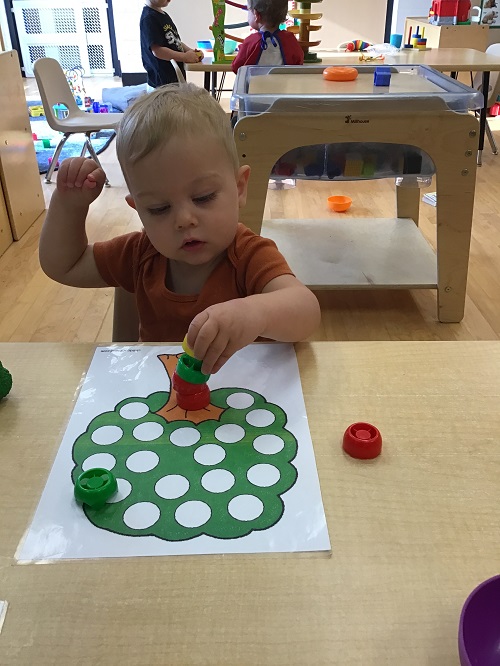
point(191, 57)
point(80, 180)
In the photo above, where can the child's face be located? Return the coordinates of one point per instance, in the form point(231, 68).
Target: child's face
point(254, 19)
point(188, 198)
point(159, 4)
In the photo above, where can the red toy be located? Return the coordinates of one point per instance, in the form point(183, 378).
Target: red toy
point(449, 12)
point(362, 441)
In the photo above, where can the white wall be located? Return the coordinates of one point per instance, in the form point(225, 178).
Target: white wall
point(404, 8)
point(4, 28)
point(348, 19)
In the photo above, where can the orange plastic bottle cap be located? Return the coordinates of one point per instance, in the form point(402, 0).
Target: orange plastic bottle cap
point(340, 73)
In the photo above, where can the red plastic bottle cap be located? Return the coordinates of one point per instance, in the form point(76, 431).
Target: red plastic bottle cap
point(194, 401)
point(362, 441)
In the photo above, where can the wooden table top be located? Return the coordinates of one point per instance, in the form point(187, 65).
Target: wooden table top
point(444, 60)
point(412, 532)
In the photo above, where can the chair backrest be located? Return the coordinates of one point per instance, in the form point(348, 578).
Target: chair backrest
point(180, 76)
point(125, 317)
point(494, 87)
point(54, 89)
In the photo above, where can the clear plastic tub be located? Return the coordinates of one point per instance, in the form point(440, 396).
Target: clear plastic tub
point(302, 89)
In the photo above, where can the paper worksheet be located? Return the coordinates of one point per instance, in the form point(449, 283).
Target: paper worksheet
point(237, 477)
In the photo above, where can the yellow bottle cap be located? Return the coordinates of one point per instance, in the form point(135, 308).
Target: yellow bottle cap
point(187, 348)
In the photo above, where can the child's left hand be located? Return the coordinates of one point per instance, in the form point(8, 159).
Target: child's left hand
point(221, 330)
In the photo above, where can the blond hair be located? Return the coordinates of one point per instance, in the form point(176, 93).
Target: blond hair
point(177, 109)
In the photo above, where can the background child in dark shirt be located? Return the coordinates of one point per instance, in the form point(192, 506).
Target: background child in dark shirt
point(161, 44)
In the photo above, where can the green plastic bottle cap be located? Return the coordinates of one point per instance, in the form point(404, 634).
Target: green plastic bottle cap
point(189, 369)
point(95, 486)
point(5, 381)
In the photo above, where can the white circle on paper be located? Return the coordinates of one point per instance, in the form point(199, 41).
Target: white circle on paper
point(134, 410)
point(141, 515)
point(217, 480)
point(147, 432)
point(103, 460)
point(268, 444)
point(229, 433)
point(142, 461)
point(240, 400)
point(209, 454)
point(105, 435)
point(185, 436)
point(260, 418)
point(193, 514)
point(245, 507)
point(263, 475)
point(172, 486)
point(124, 490)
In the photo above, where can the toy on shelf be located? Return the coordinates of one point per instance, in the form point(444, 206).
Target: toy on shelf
point(305, 16)
point(41, 143)
point(36, 111)
point(218, 29)
point(5, 381)
point(450, 12)
point(74, 78)
point(417, 40)
point(60, 111)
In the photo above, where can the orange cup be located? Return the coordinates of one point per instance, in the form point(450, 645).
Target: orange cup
point(339, 204)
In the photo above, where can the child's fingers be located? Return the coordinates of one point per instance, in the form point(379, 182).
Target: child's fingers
point(86, 171)
point(73, 171)
point(193, 332)
point(215, 351)
point(96, 178)
point(62, 173)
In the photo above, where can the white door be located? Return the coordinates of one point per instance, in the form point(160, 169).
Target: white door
point(75, 34)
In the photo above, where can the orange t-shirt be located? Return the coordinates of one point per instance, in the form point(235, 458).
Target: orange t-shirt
point(131, 262)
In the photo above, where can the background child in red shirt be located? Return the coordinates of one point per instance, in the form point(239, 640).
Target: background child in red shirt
point(270, 45)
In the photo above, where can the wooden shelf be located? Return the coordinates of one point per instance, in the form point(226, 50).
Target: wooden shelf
point(473, 36)
point(355, 253)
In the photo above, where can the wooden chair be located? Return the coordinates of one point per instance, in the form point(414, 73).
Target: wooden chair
point(125, 317)
point(493, 92)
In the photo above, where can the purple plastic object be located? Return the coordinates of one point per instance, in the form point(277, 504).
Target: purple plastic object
point(479, 629)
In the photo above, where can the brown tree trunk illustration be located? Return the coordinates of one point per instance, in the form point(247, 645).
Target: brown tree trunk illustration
point(171, 410)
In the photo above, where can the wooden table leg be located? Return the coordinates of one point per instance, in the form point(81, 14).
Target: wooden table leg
point(408, 202)
point(455, 203)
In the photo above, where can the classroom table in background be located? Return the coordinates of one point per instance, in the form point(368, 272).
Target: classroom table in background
point(443, 60)
point(412, 532)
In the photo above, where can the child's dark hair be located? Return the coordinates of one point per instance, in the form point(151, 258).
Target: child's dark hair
point(273, 12)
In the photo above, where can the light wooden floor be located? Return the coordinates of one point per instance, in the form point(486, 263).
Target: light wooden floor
point(34, 308)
